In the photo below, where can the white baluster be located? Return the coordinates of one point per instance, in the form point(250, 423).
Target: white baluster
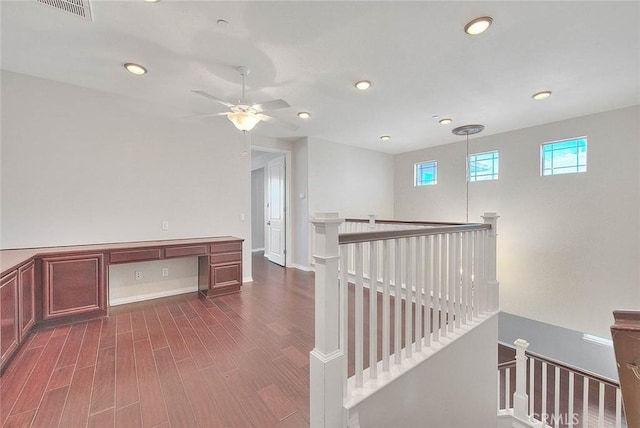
point(386, 310)
point(585, 402)
point(435, 274)
point(520, 395)
point(601, 406)
point(359, 339)
point(397, 325)
point(544, 389)
point(464, 280)
point(507, 388)
point(344, 312)
point(427, 289)
point(532, 377)
point(373, 310)
point(419, 284)
point(556, 396)
point(570, 399)
point(476, 273)
point(490, 261)
point(499, 388)
point(443, 283)
point(408, 314)
point(326, 359)
point(467, 279)
point(454, 271)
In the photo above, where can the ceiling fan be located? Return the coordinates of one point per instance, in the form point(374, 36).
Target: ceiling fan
point(246, 116)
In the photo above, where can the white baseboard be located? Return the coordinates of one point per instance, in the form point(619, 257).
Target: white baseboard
point(257, 250)
point(247, 279)
point(149, 296)
point(303, 268)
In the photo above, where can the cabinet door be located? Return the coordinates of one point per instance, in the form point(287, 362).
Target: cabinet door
point(9, 337)
point(73, 285)
point(27, 303)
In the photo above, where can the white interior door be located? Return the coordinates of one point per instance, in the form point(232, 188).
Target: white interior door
point(276, 220)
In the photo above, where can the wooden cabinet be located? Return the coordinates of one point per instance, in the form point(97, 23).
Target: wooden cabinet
point(9, 324)
point(73, 285)
point(221, 272)
point(27, 298)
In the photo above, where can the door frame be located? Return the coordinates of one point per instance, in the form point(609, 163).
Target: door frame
point(288, 201)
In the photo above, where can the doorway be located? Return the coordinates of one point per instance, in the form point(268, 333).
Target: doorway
point(269, 205)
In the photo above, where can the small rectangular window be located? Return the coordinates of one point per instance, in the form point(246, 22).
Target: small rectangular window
point(426, 173)
point(564, 157)
point(483, 166)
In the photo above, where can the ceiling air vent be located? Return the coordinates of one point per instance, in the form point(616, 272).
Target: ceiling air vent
point(79, 8)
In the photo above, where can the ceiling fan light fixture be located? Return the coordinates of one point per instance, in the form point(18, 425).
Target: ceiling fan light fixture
point(542, 95)
point(478, 25)
point(134, 68)
point(304, 115)
point(445, 121)
point(243, 121)
point(363, 85)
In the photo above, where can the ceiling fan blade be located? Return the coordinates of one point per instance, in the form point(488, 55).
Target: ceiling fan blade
point(278, 122)
point(200, 116)
point(271, 105)
point(211, 97)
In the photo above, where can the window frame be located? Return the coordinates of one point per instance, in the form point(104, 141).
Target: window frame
point(577, 166)
point(435, 173)
point(494, 174)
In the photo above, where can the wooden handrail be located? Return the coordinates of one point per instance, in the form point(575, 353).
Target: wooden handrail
point(350, 238)
point(562, 365)
point(424, 223)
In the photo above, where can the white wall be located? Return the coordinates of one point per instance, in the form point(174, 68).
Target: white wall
point(568, 245)
point(257, 209)
point(82, 166)
point(352, 181)
point(456, 387)
point(300, 201)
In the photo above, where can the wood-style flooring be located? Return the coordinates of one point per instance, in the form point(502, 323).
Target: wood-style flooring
point(235, 361)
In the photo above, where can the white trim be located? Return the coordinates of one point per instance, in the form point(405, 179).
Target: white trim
point(257, 250)
point(150, 296)
point(247, 279)
point(303, 268)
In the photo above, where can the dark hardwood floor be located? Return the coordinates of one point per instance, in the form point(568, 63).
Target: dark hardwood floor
point(235, 361)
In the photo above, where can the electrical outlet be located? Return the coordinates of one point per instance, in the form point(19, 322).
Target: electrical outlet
point(165, 271)
point(138, 275)
point(165, 225)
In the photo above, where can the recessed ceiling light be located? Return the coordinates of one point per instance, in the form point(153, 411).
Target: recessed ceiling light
point(542, 95)
point(135, 68)
point(304, 115)
point(152, 1)
point(435, 116)
point(478, 25)
point(363, 85)
point(222, 23)
point(385, 137)
point(445, 121)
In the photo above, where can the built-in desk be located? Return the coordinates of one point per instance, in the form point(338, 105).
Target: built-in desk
point(41, 286)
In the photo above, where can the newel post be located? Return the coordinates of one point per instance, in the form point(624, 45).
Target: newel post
point(326, 359)
point(520, 398)
point(493, 303)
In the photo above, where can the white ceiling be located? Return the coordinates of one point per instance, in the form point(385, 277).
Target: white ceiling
point(310, 53)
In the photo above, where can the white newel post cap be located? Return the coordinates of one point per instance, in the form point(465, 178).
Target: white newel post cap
point(492, 218)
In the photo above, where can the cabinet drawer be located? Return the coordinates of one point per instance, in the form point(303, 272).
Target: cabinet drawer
point(189, 250)
point(135, 255)
point(226, 247)
point(225, 258)
point(226, 275)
